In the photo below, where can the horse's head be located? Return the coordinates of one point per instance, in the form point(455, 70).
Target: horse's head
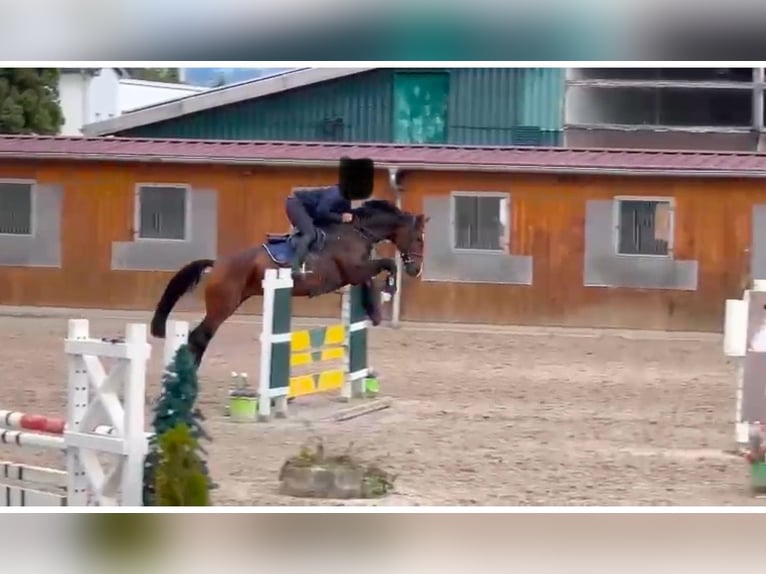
point(382, 220)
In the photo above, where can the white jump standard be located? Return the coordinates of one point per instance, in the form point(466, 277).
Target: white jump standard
point(105, 415)
point(745, 339)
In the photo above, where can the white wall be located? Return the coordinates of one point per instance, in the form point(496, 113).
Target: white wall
point(104, 96)
point(73, 88)
point(138, 94)
point(87, 98)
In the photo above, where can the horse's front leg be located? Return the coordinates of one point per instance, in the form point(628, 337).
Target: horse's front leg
point(363, 274)
point(372, 268)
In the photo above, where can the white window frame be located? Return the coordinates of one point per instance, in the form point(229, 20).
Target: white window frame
point(137, 211)
point(505, 212)
point(616, 224)
point(32, 206)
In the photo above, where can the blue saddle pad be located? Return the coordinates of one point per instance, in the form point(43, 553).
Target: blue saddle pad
point(280, 246)
point(280, 249)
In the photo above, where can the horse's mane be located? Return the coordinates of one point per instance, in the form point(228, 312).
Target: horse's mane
point(373, 207)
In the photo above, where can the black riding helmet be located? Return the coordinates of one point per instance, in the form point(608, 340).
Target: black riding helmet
point(355, 178)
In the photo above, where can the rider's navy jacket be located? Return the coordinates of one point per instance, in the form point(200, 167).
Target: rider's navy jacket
point(324, 204)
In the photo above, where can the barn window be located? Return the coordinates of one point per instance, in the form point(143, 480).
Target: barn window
point(644, 226)
point(162, 211)
point(480, 221)
point(16, 207)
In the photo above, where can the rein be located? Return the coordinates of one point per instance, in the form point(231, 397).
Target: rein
point(407, 256)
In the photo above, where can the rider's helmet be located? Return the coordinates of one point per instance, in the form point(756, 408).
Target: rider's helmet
point(355, 178)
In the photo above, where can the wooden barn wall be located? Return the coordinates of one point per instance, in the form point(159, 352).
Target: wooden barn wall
point(712, 225)
point(98, 210)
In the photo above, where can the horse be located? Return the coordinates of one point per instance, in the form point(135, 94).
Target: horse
point(340, 255)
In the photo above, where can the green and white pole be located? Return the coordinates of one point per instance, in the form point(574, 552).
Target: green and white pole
point(354, 319)
point(276, 337)
point(274, 379)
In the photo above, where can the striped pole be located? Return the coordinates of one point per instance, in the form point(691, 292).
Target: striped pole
point(29, 422)
point(354, 319)
point(27, 485)
point(27, 439)
point(38, 474)
point(16, 420)
point(276, 337)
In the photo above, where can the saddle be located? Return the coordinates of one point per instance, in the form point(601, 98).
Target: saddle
point(316, 245)
point(281, 246)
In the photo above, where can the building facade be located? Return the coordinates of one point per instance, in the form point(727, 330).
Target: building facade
point(516, 235)
point(456, 106)
point(665, 108)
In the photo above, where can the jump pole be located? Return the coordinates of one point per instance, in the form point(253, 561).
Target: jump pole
point(276, 349)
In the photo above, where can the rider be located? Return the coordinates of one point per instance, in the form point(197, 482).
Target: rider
point(309, 208)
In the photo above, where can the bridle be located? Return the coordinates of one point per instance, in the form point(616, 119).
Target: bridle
point(408, 256)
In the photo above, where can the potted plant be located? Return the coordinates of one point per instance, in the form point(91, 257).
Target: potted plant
point(756, 457)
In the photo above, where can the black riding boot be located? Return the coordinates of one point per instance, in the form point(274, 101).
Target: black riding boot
point(302, 244)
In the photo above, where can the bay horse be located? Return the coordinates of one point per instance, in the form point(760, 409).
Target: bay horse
point(340, 256)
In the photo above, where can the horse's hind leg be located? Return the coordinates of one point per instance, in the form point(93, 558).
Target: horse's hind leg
point(221, 301)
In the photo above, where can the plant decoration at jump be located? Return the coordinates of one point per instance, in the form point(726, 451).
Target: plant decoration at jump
point(175, 468)
point(315, 473)
point(755, 455)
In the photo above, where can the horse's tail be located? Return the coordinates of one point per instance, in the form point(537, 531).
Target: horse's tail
point(182, 282)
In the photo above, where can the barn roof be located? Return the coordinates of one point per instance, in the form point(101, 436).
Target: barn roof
point(216, 97)
point(425, 157)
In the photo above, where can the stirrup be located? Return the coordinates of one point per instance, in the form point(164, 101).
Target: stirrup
point(302, 271)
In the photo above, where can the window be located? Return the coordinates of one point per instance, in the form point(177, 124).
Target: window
point(644, 226)
point(162, 211)
point(693, 74)
point(672, 107)
point(479, 221)
point(16, 207)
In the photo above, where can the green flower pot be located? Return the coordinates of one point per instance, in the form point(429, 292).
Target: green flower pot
point(243, 409)
point(371, 386)
point(758, 477)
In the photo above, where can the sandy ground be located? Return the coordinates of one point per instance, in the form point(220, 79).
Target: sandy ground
point(480, 416)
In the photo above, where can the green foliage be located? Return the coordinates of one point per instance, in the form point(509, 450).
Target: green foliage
point(220, 81)
point(170, 75)
point(173, 449)
point(181, 479)
point(29, 101)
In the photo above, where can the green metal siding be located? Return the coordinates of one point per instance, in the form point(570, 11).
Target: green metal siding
point(503, 106)
point(362, 102)
point(486, 106)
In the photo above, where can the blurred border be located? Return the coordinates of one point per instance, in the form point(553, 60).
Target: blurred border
point(418, 543)
point(335, 30)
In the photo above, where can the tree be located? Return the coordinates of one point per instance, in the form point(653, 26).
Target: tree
point(181, 479)
point(29, 101)
point(170, 75)
point(220, 81)
point(175, 470)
